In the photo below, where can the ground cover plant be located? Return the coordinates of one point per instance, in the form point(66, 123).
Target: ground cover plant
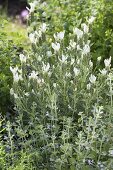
point(63, 98)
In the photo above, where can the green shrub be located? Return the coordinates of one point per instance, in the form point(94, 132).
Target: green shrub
point(64, 106)
point(63, 103)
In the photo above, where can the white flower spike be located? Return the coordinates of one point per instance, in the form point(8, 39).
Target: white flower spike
point(22, 58)
point(32, 6)
point(78, 32)
point(103, 72)
point(33, 75)
point(76, 71)
point(91, 20)
point(43, 27)
point(32, 37)
point(107, 62)
point(86, 49)
point(59, 36)
point(85, 28)
point(56, 46)
point(92, 79)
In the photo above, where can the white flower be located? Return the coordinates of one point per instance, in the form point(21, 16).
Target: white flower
point(99, 58)
point(40, 81)
point(20, 71)
point(69, 48)
point(64, 58)
point(72, 44)
point(22, 58)
point(43, 4)
point(71, 82)
point(54, 85)
point(78, 32)
point(38, 34)
point(92, 79)
point(27, 94)
point(16, 96)
point(39, 58)
point(90, 63)
point(56, 46)
point(111, 152)
point(17, 77)
point(76, 71)
point(103, 71)
point(59, 36)
point(110, 76)
point(33, 91)
point(14, 70)
point(98, 110)
point(43, 27)
point(78, 61)
point(33, 75)
point(78, 48)
point(91, 20)
point(11, 91)
point(68, 74)
point(32, 6)
point(46, 67)
point(107, 62)
point(72, 61)
point(88, 86)
point(86, 49)
point(49, 53)
point(44, 14)
point(32, 37)
point(85, 28)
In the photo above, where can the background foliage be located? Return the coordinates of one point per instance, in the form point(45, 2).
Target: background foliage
point(12, 43)
point(66, 14)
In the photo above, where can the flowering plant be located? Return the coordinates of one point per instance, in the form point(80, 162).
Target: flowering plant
point(63, 102)
point(64, 105)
